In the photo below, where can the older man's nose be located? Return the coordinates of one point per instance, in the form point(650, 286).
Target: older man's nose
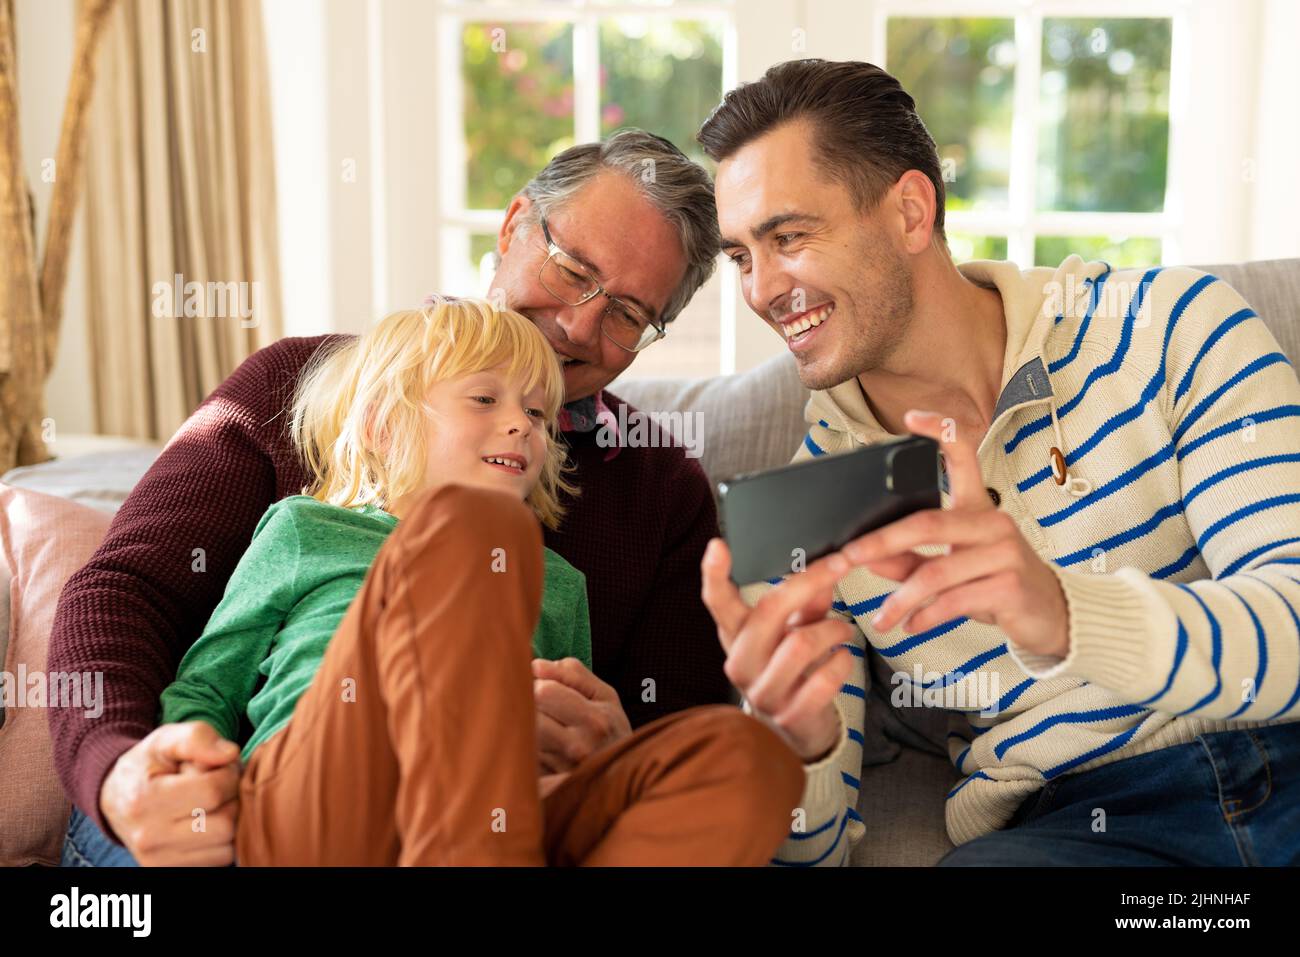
point(581, 324)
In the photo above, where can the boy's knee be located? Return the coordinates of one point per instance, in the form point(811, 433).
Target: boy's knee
point(472, 504)
point(758, 759)
point(455, 517)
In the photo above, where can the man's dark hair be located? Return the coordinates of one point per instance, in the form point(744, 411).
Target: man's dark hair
point(866, 128)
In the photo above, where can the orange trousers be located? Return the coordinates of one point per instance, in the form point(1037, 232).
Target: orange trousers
point(416, 744)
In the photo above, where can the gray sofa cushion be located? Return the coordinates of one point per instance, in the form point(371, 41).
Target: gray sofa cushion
point(101, 480)
point(749, 421)
point(1272, 287)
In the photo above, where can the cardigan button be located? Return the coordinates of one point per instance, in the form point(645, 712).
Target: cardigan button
point(1058, 465)
point(993, 494)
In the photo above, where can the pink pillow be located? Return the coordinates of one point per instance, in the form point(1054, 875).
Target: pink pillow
point(44, 540)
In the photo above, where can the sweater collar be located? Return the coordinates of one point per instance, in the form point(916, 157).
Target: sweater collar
point(1032, 299)
point(586, 415)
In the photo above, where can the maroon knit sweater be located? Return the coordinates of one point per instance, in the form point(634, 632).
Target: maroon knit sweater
point(637, 531)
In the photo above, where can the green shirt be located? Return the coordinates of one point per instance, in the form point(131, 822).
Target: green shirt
point(285, 600)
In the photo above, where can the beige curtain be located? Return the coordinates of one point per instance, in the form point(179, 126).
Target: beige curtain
point(182, 268)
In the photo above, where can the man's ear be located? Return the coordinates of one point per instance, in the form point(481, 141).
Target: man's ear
point(516, 213)
point(915, 201)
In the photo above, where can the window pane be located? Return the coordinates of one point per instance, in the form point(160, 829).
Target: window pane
point(662, 75)
point(518, 80)
point(961, 72)
point(1120, 251)
point(1104, 115)
point(965, 247)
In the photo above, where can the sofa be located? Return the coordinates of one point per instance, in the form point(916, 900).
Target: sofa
point(750, 421)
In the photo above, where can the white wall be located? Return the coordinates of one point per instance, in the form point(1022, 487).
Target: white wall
point(1275, 190)
point(1217, 133)
point(295, 41)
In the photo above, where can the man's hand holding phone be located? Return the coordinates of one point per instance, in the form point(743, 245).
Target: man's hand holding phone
point(989, 572)
point(784, 654)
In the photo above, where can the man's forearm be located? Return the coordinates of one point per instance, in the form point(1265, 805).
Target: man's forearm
point(97, 751)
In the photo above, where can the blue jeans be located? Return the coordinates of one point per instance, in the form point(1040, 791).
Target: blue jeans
point(86, 846)
point(1224, 799)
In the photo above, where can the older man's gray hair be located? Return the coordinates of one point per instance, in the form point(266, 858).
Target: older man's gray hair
point(676, 186)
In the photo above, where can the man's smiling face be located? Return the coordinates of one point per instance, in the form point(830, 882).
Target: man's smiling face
point(631, 249)
point(828, 278)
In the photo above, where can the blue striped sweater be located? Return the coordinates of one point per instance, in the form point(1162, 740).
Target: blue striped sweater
point(1175, 537)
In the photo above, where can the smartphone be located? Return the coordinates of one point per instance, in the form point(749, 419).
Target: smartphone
point(773, 519)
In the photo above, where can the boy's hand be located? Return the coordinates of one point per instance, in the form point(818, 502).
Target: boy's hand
point(577, 713)
point(152, 790)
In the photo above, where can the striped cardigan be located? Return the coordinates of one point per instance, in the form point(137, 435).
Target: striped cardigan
point(1175, 537)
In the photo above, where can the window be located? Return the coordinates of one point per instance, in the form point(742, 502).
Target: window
point(1053, 132)
point(524, 81)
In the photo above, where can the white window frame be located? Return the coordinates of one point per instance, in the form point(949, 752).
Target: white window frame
point(457, 221)
point(1021, 222)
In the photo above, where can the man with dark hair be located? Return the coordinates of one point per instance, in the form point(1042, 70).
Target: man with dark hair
point(1109, 604)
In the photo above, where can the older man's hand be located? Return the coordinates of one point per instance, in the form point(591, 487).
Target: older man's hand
point(152, 791)
point(577, 714)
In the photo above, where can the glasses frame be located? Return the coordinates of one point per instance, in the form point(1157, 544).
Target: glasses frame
point(553, 250)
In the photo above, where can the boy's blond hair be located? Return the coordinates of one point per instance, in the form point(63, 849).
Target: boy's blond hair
point(359, 410)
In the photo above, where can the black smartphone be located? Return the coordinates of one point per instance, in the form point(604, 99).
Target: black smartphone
point(773, 519)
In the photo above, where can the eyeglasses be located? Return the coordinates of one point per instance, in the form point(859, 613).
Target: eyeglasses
point(569, 281)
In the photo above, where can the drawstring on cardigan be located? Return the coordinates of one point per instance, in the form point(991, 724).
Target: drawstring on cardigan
point(1076, 485)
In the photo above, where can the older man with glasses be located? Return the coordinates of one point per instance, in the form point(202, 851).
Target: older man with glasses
point(602, 258)
point(570, 280)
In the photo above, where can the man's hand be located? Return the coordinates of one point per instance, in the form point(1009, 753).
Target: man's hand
point(990, 574)
point(153, 789)
point(784, 654)
point(577, 714)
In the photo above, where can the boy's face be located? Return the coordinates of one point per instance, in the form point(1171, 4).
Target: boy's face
point(480, 416)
